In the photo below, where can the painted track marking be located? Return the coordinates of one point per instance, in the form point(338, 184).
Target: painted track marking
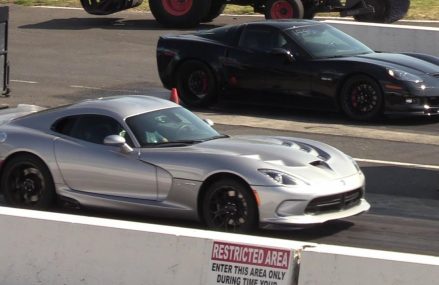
point(396, 163)
point(24, 81)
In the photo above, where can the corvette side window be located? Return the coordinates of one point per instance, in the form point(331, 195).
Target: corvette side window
point(262, 39)
point(225, 34)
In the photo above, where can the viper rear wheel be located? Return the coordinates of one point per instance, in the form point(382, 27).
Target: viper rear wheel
point(27, 183)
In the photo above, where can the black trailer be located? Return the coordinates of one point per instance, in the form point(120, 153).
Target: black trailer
point(189, 13)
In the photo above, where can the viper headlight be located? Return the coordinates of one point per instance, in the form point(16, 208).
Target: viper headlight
point(404, 76)
point(282, 178)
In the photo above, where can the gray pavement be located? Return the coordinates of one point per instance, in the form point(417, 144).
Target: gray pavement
point(60, 56)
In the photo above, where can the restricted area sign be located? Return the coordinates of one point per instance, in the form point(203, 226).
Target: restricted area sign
point(241, 264)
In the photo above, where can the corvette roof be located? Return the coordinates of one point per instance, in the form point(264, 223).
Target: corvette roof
point(286, 24)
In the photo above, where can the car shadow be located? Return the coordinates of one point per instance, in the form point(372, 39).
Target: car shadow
point(310, 233)
point(425, 123)
point(108, 23)
point(321, 117)
point(401, 181)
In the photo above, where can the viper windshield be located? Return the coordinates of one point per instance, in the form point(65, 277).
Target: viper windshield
point(170, 127)
point(324, 41)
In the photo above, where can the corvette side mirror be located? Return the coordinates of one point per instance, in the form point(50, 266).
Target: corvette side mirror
point(115, 140)
point(283, 52)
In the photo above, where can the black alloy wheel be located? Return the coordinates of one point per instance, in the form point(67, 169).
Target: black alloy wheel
point(229, 205)
point(196, 84)
point(362, 98)
point(27, 183)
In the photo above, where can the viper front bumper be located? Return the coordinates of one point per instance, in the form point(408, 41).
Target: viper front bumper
point(312, 204)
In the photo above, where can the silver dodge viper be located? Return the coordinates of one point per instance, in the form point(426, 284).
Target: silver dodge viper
point(147, 155)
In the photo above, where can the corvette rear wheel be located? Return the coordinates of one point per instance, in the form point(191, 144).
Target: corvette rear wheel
point(284, 9)
point(228, 205)
point(362, 98)
point(196, 84)
point(179, 13)
point(27, 183)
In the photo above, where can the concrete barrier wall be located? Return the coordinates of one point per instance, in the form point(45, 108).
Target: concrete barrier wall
point(335, 265)
point(392, 38)
point(49, 248)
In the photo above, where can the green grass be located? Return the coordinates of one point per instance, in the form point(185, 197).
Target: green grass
point(420, 9)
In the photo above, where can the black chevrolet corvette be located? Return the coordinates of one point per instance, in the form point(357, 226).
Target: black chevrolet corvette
point(297, 63)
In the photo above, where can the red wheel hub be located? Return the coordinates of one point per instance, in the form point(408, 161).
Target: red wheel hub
point(177, 7)
point(281, 10)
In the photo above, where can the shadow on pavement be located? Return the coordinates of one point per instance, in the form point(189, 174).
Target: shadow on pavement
point(403, 123)
point(104, 23)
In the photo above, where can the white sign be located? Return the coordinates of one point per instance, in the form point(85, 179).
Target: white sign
point(240, 264)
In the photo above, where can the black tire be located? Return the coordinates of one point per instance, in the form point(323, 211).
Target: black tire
point(386, 11)
point(229, 205)
point(309, 10)
point(179, 13)
point(284, 9)
point(106, 7)
point(196, 84)
point(26, 182)
point(215, 10)
point(361, 98)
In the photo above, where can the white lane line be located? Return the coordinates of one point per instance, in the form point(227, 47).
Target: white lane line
point(24, 81)
point(56, 7)
point(396, 163)
point(85, 87)
point(126, 91)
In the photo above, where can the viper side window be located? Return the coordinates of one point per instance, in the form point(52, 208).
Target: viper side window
point(90, 128)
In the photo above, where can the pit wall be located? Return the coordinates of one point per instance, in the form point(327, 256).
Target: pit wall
point(392, 38)
point(50, 248)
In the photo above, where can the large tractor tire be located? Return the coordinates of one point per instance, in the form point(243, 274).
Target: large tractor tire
point(284, 9)
point(106, 7)
point(309, 10)
point(179, 13)
point(386, 11)
point(215, 10)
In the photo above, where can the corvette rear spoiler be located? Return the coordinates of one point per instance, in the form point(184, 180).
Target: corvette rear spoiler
point(6, 115)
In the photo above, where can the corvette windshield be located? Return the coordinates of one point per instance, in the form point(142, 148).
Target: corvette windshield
point(170, 127)
point(324, 41)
